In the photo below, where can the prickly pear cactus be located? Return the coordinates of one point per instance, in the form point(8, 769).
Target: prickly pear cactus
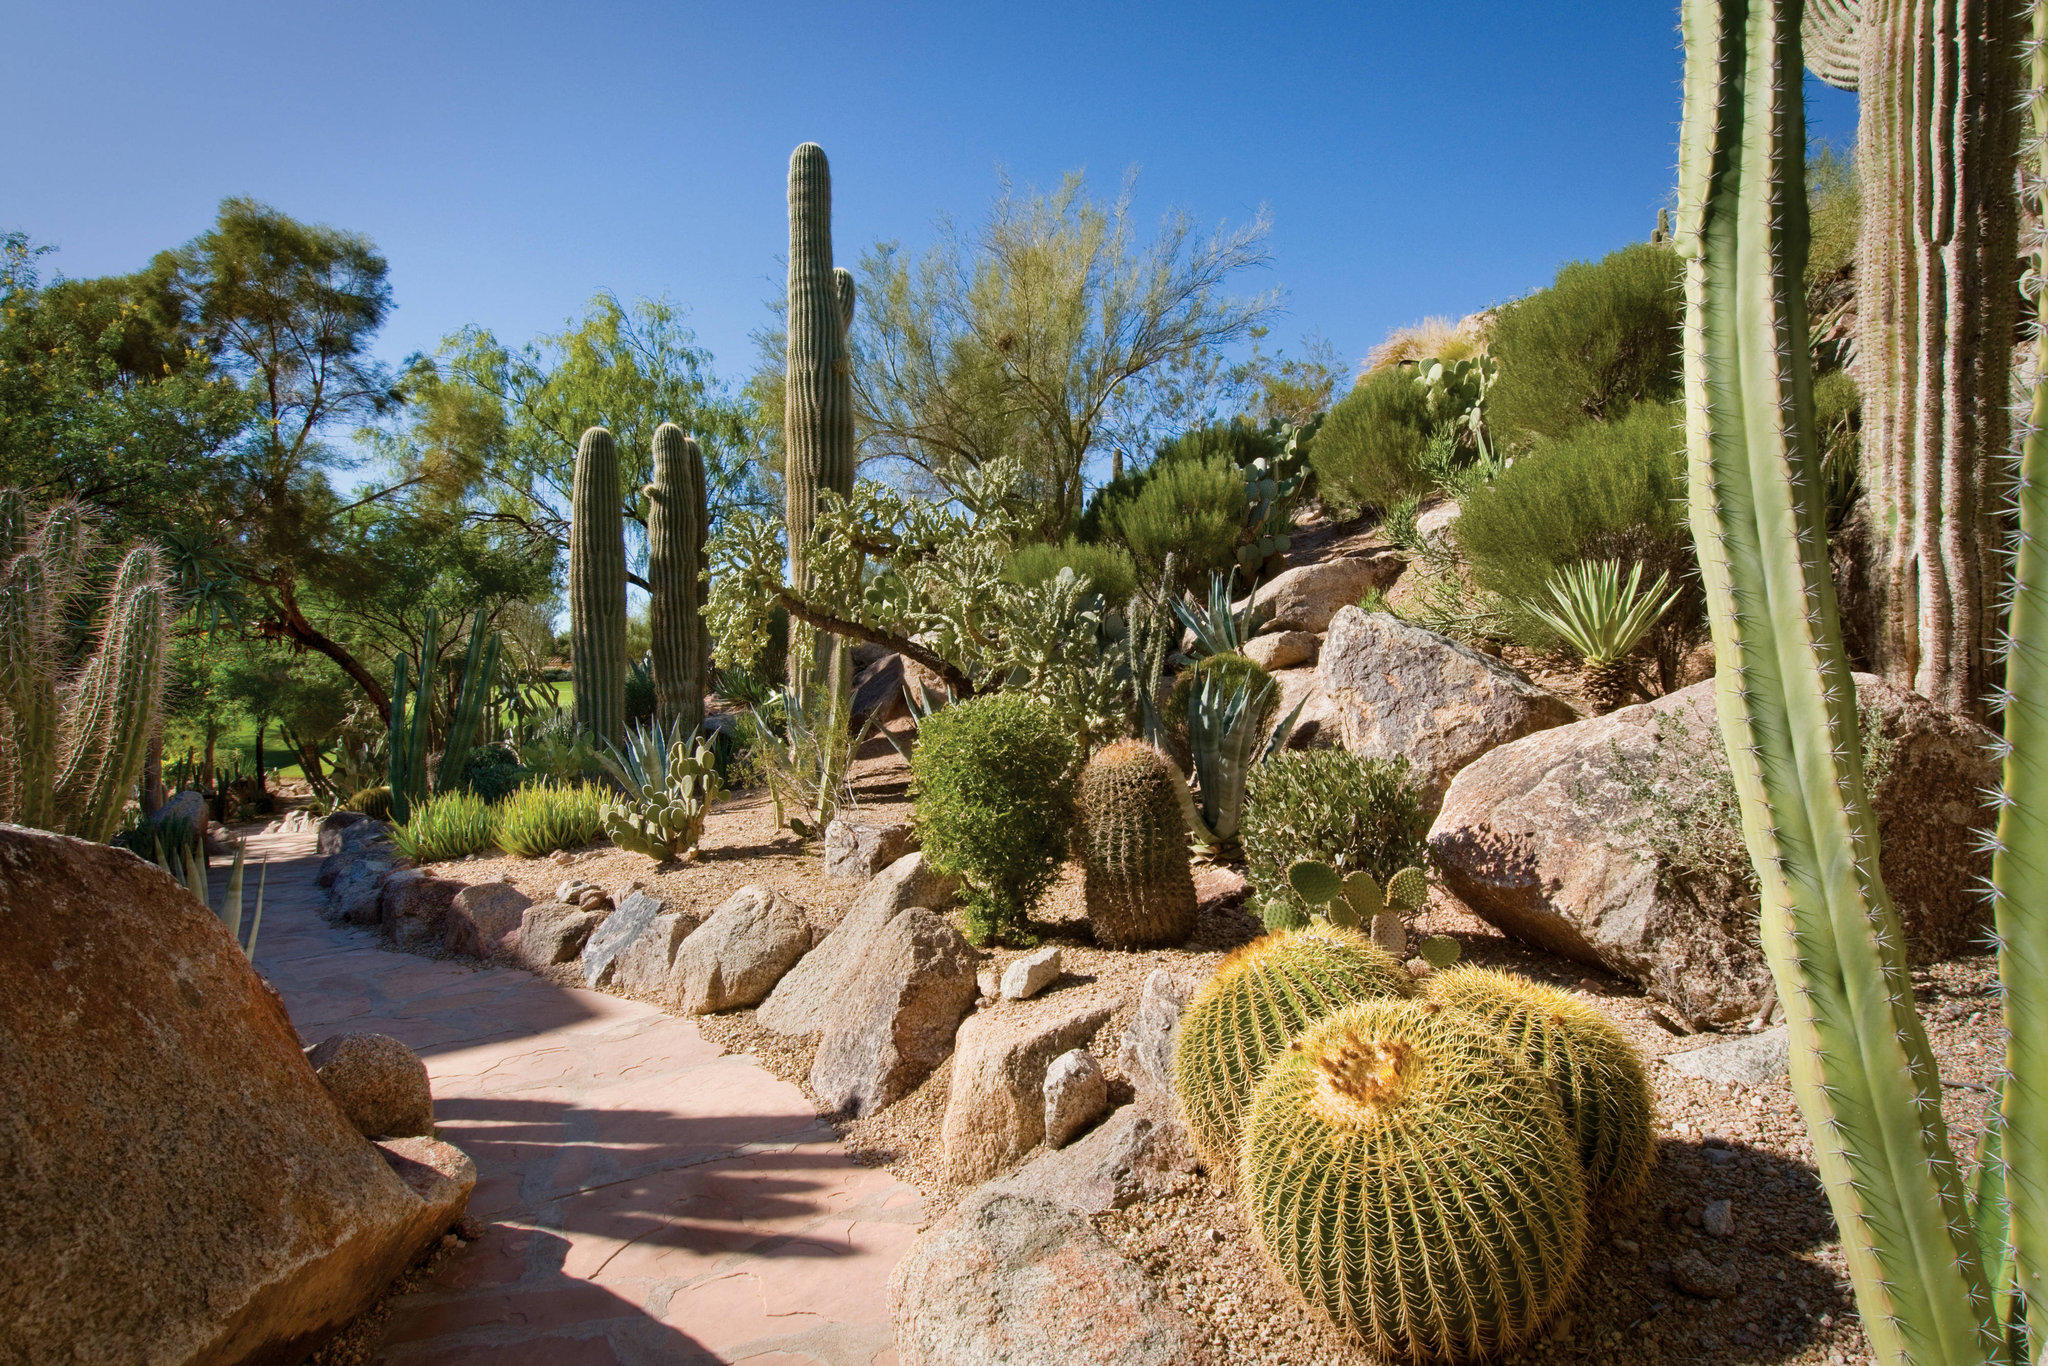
point(1139, 889)
point(663, 818)
point(1354, 900)
point(1410, 1179)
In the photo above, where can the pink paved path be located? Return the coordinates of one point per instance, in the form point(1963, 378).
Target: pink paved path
point(649, 1198)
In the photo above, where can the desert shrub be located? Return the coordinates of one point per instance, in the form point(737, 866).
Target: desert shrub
point(1237, 442)
point(374, 802)
point(1834, 213)
point(1107, 568)
point(560, 753)
point(492, 772)
point(1370, 451)
point(544, 817)
point(446, 825)
point(1611, 491)
point(1600, 340)
point(1195, 510)
point(991, 809)
point(1330, 805)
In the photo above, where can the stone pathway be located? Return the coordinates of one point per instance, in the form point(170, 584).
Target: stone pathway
point(648, 1198)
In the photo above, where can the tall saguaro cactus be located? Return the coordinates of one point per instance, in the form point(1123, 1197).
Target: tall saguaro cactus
point(1937, 267)
point(597, 589)
point(1862, 1071)
point(818, 389)
point(676, 564)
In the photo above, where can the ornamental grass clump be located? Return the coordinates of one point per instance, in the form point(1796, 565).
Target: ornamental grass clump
point(447, 825)
point(538, 820)
point(994, 806)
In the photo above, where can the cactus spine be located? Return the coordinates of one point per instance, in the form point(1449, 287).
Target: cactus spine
point(676, 564)
point(71, 750)
point(1139, 889)
point(1414, 1182)
point(1591, 1066)
point(1861, 1067)
point(1260, 997)
point(597, 590)
point(818, 388)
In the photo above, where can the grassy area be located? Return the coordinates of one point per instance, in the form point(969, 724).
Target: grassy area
point(237, 737)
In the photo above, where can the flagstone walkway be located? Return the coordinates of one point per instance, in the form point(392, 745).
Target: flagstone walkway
point(648, 1199)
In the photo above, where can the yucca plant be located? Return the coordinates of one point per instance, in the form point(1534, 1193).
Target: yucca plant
point(186, 861)
point(538, 820)
point(446, 825)
point(1603, 617)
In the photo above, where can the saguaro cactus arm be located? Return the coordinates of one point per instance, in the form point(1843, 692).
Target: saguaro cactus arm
point(1862, 1071)
point(1832, 33)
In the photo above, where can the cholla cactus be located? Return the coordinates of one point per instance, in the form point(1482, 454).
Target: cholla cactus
point(668, 788)
point(1355, 901)
point(72, 745)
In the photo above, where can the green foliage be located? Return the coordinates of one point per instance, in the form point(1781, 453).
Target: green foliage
point(1595, 1072)
point(1611, 491)
point(1223, 708)
point(1259, 998)
point(667, 789)
point(1415, 1184)
point(374, 802)
point(1195, 510)
point(1600, 341)
point(1059, 648)
point(536, 821)
point(1834, 213)
point(1106, 569)
point(1355, 815)
point(1370, 452)
point(1354, 901)
point(801, 745)
point(447, 825)
point(1603, 617)
point(492, 772)
point(993, 808)
point(558, 752)
point(1220, 627)
point(1139, 890)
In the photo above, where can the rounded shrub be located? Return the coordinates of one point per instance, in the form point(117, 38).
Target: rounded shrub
point(374, 802)
point(446, 825)
point(1195, 510)
point(1139, 889)
point(1413, 1181)
point(1259, 998)
point(994, 805)
point(1107, 568)
point(493, 772)
point(1594, 1070)
point(1370, 451)
point(1330, 805)
point(539, 819)
point(1233, 669)
point(1601, 339)
point(1610, 491)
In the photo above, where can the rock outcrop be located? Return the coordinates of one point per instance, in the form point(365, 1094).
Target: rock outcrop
point(891, 1012)
point(1308, 597)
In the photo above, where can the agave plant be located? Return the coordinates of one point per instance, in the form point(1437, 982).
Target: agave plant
point(668, 789)
point(186, 861)
point(1220, 629)
point(1603, 618)
point(1225, 738)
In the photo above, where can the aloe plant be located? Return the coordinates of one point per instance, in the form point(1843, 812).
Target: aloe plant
point(1603, 617)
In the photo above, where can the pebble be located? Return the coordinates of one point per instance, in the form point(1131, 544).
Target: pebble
point(1718, 1218)
point(1697, 1276)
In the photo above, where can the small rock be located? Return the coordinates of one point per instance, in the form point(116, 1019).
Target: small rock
point(1744, 1060)
point(995, 1107)
point(1718, 1218)
point(594, 899)
point(570, 889)
point(561, 858)
point(988, 984)
point(633, 918)
point(1698, 1277)
point(1282, 650)
point(641, 969)
point(1076, 1094)
point(798, 1004)
point(857, 850)
point(1627, 1247)
point(893, 1013)
point(482, 919)
point(551, 932)
point(1032, 973)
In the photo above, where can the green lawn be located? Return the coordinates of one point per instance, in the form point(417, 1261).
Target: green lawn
point(238, 737)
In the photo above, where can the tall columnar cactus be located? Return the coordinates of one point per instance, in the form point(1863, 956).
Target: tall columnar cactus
point(1594, 1070)
point(72, 748)
point(1937, 268)
point(818, 387)
point(1259, 998)
point(1414, 1182)
point(676, 564)
point(1861, 1067)
point(1134, 848)
point(597, 590)
point(412, 712)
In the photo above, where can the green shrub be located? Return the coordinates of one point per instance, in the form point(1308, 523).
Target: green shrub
point(560, 753)
point(446, 825)
point(1370, 451)
point(1332, 806)
point(1107, 568)
point(1600, 340)
point(1195, 510)
point(1237, 442)
point(1612, 491)
point(374, 802)
point(538, 820)
point(993, 806)
point(492, 772)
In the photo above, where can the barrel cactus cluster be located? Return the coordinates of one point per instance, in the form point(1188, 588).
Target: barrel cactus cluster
point(1417, 1169)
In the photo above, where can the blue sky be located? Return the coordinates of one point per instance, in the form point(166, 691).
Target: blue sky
point(511, 159)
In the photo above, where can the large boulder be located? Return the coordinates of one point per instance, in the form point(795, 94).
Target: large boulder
point(483, 919)
point(642, 968)
point(355, 895)
point(1009, 1278)
point(1282, 650)
point(800, 1001)
point(177, 1184)
point(736, 957)
point(1546, 838)
point(1309, 596)
point(855, 850)
point(187, 806)
point(552, 932)
point(327, 838)
point(1401, 692)
point(995, 1109)
point(1315, 716)
point(413, 906)
point(891, 1013)
point(634, 916)
point(380, 1084)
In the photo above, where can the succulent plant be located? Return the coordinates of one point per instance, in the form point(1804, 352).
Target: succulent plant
point(1354, 900)
point(1259, 998)
point(1596, 1072)
point(374, 802)
point(1603, 617)
point(1134, 848)
point(668, 788)
point(597, 589)
point(676, 565)
point(412, 717)
point(187, 864)
point(1414, 1182)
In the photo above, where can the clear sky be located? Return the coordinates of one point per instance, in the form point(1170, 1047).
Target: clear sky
point(511, 159)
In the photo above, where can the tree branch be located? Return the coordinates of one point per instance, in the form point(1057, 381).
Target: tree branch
point(804, 612)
